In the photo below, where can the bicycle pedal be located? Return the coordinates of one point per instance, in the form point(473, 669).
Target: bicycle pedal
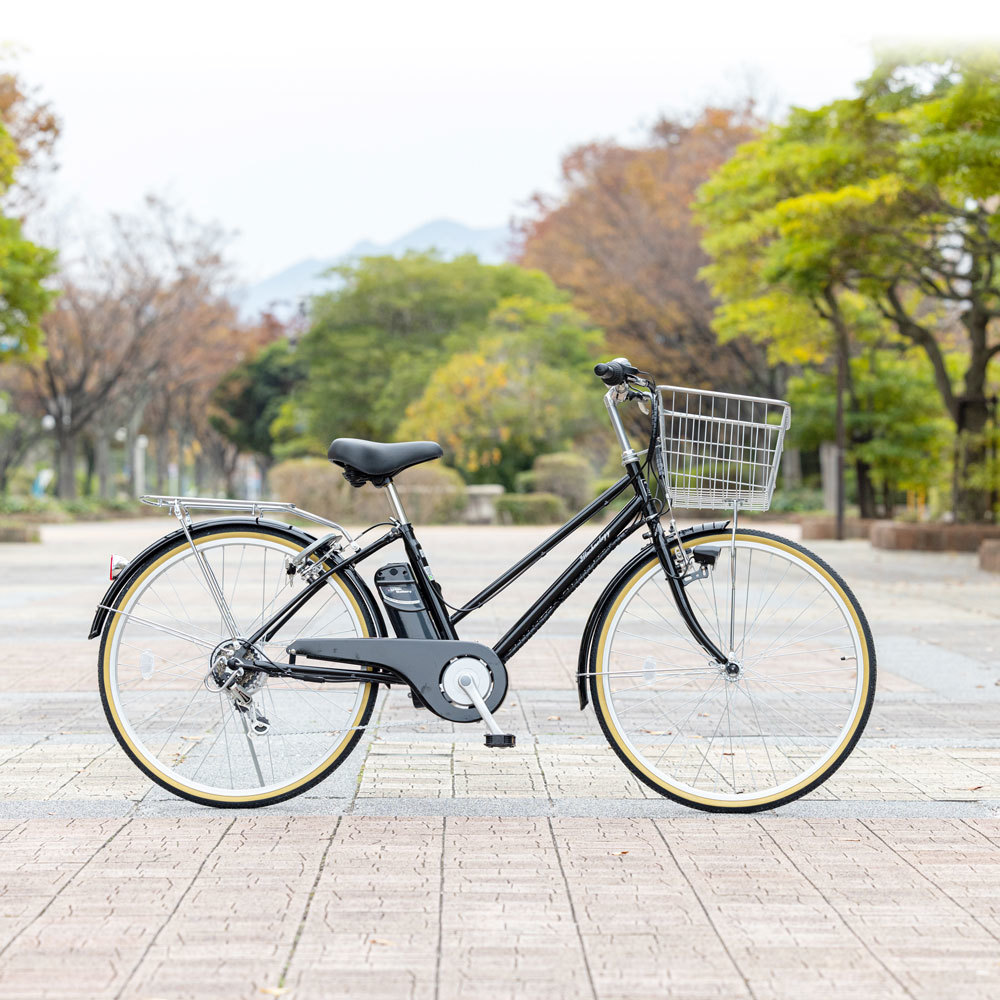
point(497, 740)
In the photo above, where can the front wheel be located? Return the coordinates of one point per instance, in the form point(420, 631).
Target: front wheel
point(764, 729)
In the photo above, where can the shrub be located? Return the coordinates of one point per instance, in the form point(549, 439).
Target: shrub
point(531, 508)
point(524, 482)
point(565, 474)
point(15, 504)
point(17, 531)
point(605, 483)
point(799, 499)
point(431, 494)
point(311, 483)
point(600, 485)
point(51, 509)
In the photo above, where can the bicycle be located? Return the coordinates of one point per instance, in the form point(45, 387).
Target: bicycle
point(730, 669)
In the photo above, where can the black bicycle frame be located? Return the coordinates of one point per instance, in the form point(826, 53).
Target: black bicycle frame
point(642, 508)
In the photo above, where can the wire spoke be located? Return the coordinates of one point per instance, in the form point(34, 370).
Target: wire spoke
point(751, 732)
point(200, 737)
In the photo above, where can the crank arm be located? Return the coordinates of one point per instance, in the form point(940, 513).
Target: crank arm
point(495, 737)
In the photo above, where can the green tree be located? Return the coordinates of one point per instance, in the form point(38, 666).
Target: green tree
point(378, 337)
point(899, 428)
point(23, 270)
point(520, 391)
point(891, 194)
point(247, 400)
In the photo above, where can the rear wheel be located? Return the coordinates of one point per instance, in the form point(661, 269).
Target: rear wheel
point(173, 705)
point(762, 730)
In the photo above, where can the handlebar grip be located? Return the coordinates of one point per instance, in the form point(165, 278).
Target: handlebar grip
point(615, 372)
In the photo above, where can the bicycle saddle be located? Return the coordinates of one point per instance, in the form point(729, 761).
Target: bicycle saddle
point(380, 462)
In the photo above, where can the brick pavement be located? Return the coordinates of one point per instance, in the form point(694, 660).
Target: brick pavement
point(438, 869)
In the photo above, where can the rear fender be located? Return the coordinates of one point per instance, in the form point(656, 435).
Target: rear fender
point(151, 552)
point(600, 607)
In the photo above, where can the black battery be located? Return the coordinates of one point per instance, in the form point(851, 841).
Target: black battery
point(404, 607)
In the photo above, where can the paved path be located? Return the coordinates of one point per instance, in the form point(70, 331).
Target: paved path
point(434, 868)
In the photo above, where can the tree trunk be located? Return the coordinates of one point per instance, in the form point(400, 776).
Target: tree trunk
point(102, 459)
point(199, 472)
point(888, 506)
point(66, 465)
point(971, 491)
point(133, 424)
point(866, 488)
point(90, 460)
point(791, 469)
point(182, 448)
point(162, 460)
point(163, 449)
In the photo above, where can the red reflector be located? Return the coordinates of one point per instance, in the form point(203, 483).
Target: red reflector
point(111, 569)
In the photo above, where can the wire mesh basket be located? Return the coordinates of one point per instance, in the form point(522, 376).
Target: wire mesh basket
point(720, 450)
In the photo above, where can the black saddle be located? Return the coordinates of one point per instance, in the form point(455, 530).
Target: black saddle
point(374, 462)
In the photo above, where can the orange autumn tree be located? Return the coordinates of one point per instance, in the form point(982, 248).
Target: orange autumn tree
point(621, 238)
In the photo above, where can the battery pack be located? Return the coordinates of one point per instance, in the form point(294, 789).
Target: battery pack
point(404, 607)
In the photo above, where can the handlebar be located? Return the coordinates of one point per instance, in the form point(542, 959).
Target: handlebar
point(615, 372)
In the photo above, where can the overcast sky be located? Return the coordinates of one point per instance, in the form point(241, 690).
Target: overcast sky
point(307, 126)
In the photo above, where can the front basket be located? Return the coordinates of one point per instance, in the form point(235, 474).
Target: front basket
point(720, 450)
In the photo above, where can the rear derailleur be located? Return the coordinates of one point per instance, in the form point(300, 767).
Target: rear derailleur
point(240, 683)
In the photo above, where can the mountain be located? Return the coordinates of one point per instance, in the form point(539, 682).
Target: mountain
point(281, 293)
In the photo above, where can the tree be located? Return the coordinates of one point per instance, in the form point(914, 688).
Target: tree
point(622, 239)
point(898, 430)
point(20, 421)
point(142, 301)
point(23, 270)
point(378, 337)
point(891, 194)
point(247, 400)
point(34, 128)
point(521, 390)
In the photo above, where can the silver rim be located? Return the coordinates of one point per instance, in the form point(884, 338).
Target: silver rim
point(160, 655)
point(759, 734)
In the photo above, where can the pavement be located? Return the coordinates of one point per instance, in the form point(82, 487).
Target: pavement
point(431, 867)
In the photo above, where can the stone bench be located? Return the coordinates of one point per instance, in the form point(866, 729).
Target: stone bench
point(989, 555)
point(931, 537)
point(481, 507)
point(824, 526)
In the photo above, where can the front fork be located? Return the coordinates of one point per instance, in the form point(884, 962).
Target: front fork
point(674, 571)
point(671, 554)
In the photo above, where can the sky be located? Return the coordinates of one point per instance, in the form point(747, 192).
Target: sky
point(304, 127)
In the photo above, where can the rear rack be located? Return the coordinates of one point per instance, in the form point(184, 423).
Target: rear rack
point(180, 506)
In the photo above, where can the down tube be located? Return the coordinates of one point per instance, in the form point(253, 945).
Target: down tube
point(570, 578)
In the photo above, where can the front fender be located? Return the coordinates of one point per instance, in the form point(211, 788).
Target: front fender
point(152, 551)
point(600, 607)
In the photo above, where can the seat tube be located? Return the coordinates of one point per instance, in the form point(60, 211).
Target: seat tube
point(394, 503)
point(424, 580)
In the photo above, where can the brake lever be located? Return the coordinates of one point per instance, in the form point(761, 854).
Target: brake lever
point(641, 397)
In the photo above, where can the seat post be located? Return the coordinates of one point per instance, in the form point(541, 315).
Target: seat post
point(397, 507)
